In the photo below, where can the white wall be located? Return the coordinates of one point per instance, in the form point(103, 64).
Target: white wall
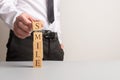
point(90, 30)
point(3, 40)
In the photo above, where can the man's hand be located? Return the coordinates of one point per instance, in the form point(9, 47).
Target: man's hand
point(62, 46)
point(23, 25)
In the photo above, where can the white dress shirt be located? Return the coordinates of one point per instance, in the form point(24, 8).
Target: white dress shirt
point(10, 9)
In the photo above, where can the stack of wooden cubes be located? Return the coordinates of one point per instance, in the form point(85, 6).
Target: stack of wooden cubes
point(37, 44)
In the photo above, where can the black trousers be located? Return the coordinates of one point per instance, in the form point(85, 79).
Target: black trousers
point(22, 49)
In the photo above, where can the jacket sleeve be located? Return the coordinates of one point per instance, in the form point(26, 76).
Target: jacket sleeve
point(8, 12)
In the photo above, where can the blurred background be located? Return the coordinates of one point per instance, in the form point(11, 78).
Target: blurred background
point(90, 30)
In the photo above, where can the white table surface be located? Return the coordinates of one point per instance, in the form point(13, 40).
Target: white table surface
point(57, 70)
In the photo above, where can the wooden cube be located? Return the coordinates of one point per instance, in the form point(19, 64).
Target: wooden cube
point(37, 36)
point(38, 25)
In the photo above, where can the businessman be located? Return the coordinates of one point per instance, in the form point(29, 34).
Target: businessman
point(18, 15)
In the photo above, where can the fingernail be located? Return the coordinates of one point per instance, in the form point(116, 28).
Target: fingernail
point(30, 32)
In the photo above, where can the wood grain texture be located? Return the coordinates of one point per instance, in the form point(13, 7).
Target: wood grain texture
point(37, 45)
